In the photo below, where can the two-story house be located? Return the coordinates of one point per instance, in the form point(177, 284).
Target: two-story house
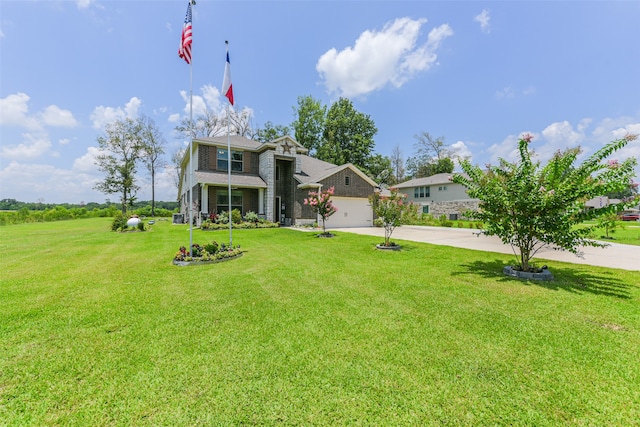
point(437, 195)
point(271, 179)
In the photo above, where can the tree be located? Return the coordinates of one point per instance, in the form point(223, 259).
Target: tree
point(153, 149)
point(212, 124)
point(308, 125)
point(271, 132)
point(397, 163)
point(529, 206)
point(121, 149)
point(321, 204)
point(380, 170)
point(432, 157)
point(390, 209)
point(347, 136)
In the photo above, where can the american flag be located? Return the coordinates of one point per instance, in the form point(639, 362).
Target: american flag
point(184, 50)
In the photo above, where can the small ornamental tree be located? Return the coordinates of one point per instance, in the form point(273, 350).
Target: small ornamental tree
point(530, 206)
point(390, 209)
point(321, 204)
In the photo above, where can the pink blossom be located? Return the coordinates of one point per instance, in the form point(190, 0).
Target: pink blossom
point(527, 137)
point(613, 164)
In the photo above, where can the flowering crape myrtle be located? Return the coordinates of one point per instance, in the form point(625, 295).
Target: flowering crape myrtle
point(530, 206)
point(390, 209)
point(320, 203)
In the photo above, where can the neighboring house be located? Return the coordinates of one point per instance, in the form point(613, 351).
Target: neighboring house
point(437, 195)
point(600, 202)
point(272, 179)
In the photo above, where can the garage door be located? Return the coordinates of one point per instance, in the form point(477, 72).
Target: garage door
point(352, 212)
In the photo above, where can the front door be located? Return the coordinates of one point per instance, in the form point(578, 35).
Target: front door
point(279, 217)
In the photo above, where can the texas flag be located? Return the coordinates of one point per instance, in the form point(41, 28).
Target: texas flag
point(227, 87)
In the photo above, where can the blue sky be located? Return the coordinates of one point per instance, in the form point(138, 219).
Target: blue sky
point(479, 73)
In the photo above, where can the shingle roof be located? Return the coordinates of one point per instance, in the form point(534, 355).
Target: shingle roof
point(440, 178)
point(313, 169)
point(235, 141)
point(222, 178)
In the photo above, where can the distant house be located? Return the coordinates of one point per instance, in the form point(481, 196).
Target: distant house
point(271, 179)
point(437, 195)
point(600, 202)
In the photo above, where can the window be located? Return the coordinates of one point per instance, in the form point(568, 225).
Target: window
point(443, 188)
point(223, 160)
point(425, 209)
point(347, 180)
point(421, 192)
point(222, 200)
point(277, 173)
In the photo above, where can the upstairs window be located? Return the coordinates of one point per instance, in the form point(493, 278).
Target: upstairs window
point(347, 180)
point(443, 188)
point(421, 192)
point(236, 160)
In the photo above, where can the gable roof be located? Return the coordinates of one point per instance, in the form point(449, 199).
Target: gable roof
point(315, 170)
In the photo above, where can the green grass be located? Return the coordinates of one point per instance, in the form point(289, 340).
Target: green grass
point(99, 328)
point(627, 233)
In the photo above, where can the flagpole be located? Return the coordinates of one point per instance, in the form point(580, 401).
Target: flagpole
point(227, 90)
point(192, 3)
point(191, 157)
point(184, 52)
point(229, 175)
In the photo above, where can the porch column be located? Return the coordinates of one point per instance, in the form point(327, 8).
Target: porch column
point(260, 201)
point(204, 195)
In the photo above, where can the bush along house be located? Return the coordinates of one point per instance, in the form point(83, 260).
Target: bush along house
point(271, 179)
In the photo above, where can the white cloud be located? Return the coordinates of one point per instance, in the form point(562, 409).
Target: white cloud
point(87, 162)
point(506, 92)
point(103, 115)
point(32, 181)
point(33, 146)
point(84, 4)
point(459, 150)
point(483, 18)
point(14, 111)
point(55, 116)
point(64, 141)
point(563, 135)
point(210, 99)
point(379, 58)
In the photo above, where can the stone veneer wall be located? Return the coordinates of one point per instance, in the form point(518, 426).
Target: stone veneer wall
point(268, 175)
point(459, 207)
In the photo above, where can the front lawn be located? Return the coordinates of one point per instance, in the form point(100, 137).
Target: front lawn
point(99, 328)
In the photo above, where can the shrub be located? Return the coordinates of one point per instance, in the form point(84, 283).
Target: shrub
point(119, 222)
point(251, 217)
point(236, 216)
point(212, 247)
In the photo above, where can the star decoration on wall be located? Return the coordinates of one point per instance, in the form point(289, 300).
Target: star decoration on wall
point(286, 148)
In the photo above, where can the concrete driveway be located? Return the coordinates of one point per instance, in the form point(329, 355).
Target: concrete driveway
point(626, 257)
